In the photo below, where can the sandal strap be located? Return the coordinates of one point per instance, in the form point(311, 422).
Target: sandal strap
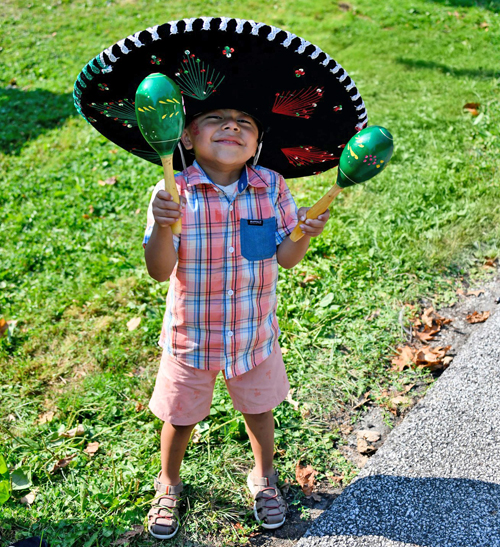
point(167, 488)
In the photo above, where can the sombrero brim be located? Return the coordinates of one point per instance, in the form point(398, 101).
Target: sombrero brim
point(306, 103)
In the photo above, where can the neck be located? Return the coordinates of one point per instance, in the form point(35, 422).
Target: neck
point(224, 176)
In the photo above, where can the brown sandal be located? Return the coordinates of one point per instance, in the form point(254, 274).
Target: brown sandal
point(269, 506)
point(163, 517)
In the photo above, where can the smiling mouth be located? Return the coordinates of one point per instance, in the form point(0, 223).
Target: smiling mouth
point(228, 141)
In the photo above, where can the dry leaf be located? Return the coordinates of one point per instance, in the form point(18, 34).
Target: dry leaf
point(369, 435)
point(289, 399)
point(139, 407)
point(484, 25)
point(400, 400)
point(61, 464)
point(137, 530)
point(346, 429)
point(335, 479)
point(28, 499)
point(431, 358)
point(316, 497)
point(490, 263)
point(476, 317)
point(305, 477)
point(75, 432)
point(92, 448)
point(474, 293)
point(364, 448)
point(404, 358)
point(110, 180)
point(4, 327)
point(133, 323)
point(46, 417)
point(473, 108)
point(137, 211)
point(305, 411)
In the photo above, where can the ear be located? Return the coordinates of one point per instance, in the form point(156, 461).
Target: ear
point(186, 140)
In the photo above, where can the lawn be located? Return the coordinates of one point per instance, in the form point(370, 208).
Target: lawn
point(72, 273)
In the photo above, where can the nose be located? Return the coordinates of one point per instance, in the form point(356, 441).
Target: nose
point(230, 124)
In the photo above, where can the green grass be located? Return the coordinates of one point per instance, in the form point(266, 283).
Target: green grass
point(72, 271)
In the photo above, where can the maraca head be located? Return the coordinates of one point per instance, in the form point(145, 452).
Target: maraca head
point(365, 155)
point(160, 113)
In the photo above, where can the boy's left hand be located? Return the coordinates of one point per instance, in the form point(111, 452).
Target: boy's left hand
point(312, 227)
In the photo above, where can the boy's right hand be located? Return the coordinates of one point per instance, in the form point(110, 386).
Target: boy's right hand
point(165, 210)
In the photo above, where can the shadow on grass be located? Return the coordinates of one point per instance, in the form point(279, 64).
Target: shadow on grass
point(479, 73)
point(434, 512)
point(28, 114)
point(491, 5)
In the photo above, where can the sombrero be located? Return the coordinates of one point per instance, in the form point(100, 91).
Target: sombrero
point(306, 103)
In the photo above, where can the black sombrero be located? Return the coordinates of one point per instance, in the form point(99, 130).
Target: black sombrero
point(306, 103)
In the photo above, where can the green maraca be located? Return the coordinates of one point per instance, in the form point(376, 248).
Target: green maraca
point(160, 114)
point(365, 155)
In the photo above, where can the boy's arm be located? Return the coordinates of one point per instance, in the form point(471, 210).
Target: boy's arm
point(289, 253)
point(160, 252)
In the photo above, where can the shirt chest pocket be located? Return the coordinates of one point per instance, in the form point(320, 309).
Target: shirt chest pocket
point(257, 238)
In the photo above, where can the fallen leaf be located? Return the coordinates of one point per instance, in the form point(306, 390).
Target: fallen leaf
point(400, 400)
point(238, 526)
point(472, 108)
point(137, 530)
point(137, 211)
point(305, 477)
point(335, 479)
point(309, 279)
point(346, 429)
point(3, 326)
point(316, 497)
point(305, 411)
point(28, 499)
point(490, 263)
point(133, 323)
point(92, 448)
point(369, 435)
point(474, 293)
point(110, 180)
point(405, 358)
point(289, 399)
point(139, 407)
point(476, 317)
point(364, 448)
point(46, 417)
point(75, 432)
point(484, 25)
point(61, 464)
point(431, 358)
point(344, 6)
point(91, 209)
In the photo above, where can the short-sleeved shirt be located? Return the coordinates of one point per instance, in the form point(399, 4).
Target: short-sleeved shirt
point(221, 302)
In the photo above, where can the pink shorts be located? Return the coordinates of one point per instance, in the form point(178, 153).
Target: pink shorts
point(183, 394)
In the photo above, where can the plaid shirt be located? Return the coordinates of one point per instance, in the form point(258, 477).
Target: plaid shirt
point(221, 302)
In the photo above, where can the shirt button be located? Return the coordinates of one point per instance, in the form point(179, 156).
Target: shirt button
point(231, 249)
point(230, 207)
point(230, 292)
point(230, 333)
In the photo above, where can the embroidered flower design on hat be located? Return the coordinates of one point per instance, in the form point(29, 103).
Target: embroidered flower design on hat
point(103, 87)
point(155, 60)
point(122, 111)
point(337, 108)
point(195, 79)
point(227, 51)
point(300, 72)
point(299, 104)
point(304, 155)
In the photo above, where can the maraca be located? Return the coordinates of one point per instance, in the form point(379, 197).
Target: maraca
point(365, 155)
point(160, 114)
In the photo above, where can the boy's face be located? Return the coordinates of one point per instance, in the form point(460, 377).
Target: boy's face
point(222, 139)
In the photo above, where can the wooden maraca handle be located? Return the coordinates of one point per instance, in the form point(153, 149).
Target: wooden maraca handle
point(317, 209)
point(171, 187)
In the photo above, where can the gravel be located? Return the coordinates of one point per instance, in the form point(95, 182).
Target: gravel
point(436, 480)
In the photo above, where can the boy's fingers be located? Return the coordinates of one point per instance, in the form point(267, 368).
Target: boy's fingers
point(163, 194)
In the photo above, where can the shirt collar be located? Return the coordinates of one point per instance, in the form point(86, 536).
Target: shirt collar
point(194, 175)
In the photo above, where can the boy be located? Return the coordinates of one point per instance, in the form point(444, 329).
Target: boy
point(221, 306)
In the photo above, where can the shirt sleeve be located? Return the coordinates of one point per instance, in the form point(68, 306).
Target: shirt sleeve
point(286, 211)
point(150, 222)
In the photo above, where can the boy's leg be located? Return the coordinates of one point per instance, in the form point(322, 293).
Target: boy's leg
point(174, 441)
point(260, 429)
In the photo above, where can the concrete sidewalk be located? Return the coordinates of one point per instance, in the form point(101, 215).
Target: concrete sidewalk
point(436, 480)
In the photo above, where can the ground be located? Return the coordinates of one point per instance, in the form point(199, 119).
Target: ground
point(373, 418)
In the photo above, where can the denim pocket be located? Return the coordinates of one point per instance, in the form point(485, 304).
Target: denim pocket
point(258, 238)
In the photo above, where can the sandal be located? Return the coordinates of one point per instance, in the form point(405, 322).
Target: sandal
point(163, 517)
point(269, 507)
